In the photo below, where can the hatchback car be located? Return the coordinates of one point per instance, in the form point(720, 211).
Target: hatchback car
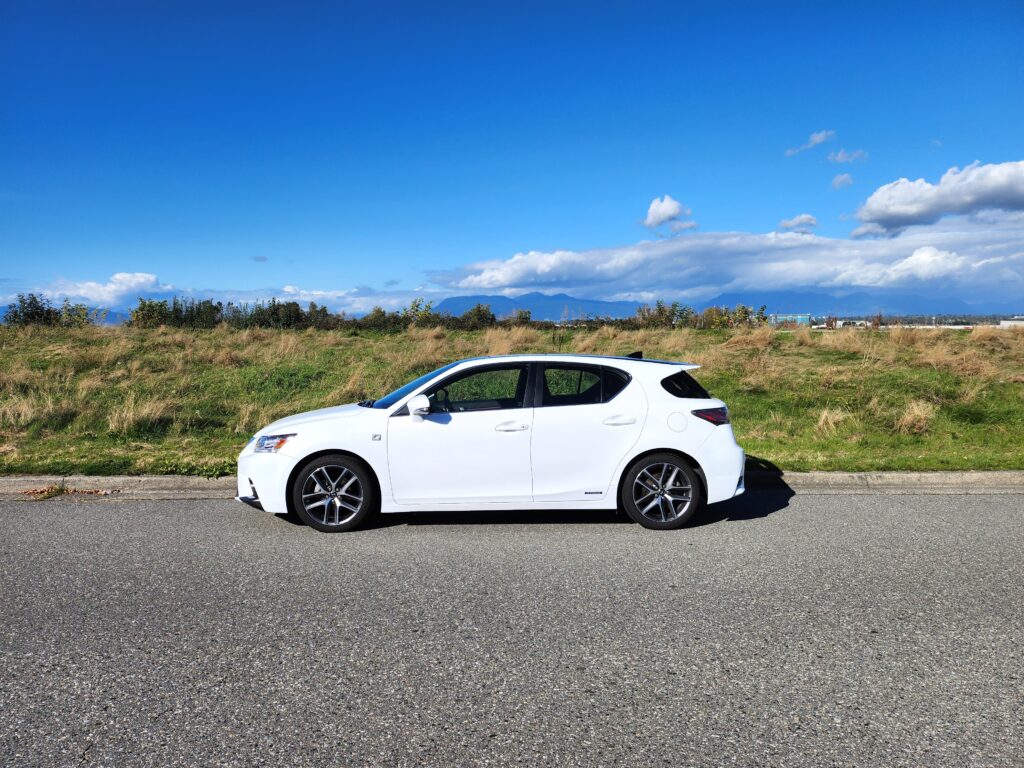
point(509, 432)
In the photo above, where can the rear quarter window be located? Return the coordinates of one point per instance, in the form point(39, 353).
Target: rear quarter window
point(682, 384)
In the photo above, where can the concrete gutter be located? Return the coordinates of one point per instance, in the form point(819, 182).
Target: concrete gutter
point(183, 487)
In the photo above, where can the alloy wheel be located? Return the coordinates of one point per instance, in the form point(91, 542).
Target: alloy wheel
point(662, 492)
point(332, 495)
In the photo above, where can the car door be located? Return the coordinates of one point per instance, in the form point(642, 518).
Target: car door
point(474, 445)
point(587, 418)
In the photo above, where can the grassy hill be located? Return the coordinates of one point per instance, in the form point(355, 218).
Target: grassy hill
point(106, 400)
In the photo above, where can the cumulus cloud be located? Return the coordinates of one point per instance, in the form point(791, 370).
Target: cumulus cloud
point(123, 289)
point(120, 286)
point(816, 138)
point(842, 156)
point(842, 180)
point(925, 263)
point(895, 206)
point(664, 209)
point(978, 259)
point(802, 223)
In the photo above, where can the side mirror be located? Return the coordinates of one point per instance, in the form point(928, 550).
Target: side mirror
point(419, 406)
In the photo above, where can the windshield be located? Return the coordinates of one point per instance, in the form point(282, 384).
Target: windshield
point(389, 400)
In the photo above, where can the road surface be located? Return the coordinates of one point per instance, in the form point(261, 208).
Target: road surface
point(800, 630)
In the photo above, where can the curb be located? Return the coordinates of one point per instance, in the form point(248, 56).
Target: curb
point(180, 487)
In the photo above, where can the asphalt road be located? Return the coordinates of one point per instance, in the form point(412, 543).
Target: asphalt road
point(862, 630)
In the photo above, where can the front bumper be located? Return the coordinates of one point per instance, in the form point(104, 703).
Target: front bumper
point(262, 480)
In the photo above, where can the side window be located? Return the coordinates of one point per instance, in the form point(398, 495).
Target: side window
point(614, 382)
point(684, 385)
point(481, 390)
point(571, 385)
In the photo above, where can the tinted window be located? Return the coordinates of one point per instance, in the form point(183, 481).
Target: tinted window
point(571, 386)
point(614, 382)
point(580, 385)
point(481, 390)
point(388, 400)
point(683, 384)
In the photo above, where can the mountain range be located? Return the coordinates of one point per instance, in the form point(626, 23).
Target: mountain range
point(560, 305)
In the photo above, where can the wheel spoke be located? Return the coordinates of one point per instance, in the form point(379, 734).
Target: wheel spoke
point(330, 489)
point(662, 491)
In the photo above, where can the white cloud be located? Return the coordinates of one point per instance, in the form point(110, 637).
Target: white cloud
point(903, 203)
point(801, 223)
point(842, 156)
point(979, 260)
point(682, 226)
point(925, 263)
point(120, 286)
point(663, 209)
point(842, 180)
point(816, 138)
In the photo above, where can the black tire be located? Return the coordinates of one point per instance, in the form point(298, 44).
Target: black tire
point(343, 483)
point(654, 489)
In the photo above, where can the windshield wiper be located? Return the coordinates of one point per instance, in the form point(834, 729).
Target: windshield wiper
point(366, 403)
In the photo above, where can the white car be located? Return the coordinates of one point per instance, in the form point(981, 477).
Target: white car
point(509, 432)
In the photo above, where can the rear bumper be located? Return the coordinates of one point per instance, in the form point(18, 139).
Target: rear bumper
point(726, 461)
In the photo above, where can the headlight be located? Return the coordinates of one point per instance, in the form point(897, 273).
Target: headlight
point(272, 443)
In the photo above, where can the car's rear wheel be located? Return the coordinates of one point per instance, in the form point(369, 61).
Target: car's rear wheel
point(661, 491)
point(333, 493)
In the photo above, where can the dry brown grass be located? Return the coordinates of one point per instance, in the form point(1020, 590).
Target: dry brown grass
point(416, 333)
point(968, 361)
point(761, 373)
point(758, 339)
point(507, 341)
point(18, 410)
point(354, 388)
point(851, 340)
point(902, 336)
point(601, 339)
point(989, 334)
point(834, 376)
point(829, 420)
point(19, 379)
point(136, 412)
point(676, 344)
point(971, 391)
point(803, 337)
point(916, 418)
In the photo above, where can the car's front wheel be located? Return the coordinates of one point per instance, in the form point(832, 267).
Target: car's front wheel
point(661, 491)
point(333, 493)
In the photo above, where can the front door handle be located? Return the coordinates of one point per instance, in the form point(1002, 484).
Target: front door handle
point(619, 421)
point(511, 426)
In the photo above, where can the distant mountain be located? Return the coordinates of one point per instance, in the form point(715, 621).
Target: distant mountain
point(817, 303)
point(855, 304)
point(541, 306)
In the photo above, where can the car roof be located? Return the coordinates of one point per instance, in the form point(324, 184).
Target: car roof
point(620, 361)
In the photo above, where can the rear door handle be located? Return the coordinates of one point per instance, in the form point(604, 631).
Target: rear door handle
point(619, 421)
point(511, 426)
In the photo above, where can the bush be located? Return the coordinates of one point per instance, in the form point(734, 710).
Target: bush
point(30, 309)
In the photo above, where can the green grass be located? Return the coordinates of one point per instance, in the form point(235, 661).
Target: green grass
point(120, 400)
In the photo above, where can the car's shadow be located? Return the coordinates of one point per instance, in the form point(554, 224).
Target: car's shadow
point(753, 505)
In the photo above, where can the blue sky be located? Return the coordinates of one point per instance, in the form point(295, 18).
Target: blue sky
point(361, 154)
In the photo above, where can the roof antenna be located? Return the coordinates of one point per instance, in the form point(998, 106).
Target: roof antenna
point(638, 355)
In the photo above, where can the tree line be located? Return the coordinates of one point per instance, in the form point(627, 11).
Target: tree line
point(32, 309)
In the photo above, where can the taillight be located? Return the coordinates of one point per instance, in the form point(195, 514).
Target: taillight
point(714, 415)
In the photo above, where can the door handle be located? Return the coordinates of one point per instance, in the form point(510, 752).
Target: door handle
point(619, 421)
point(511, 426)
